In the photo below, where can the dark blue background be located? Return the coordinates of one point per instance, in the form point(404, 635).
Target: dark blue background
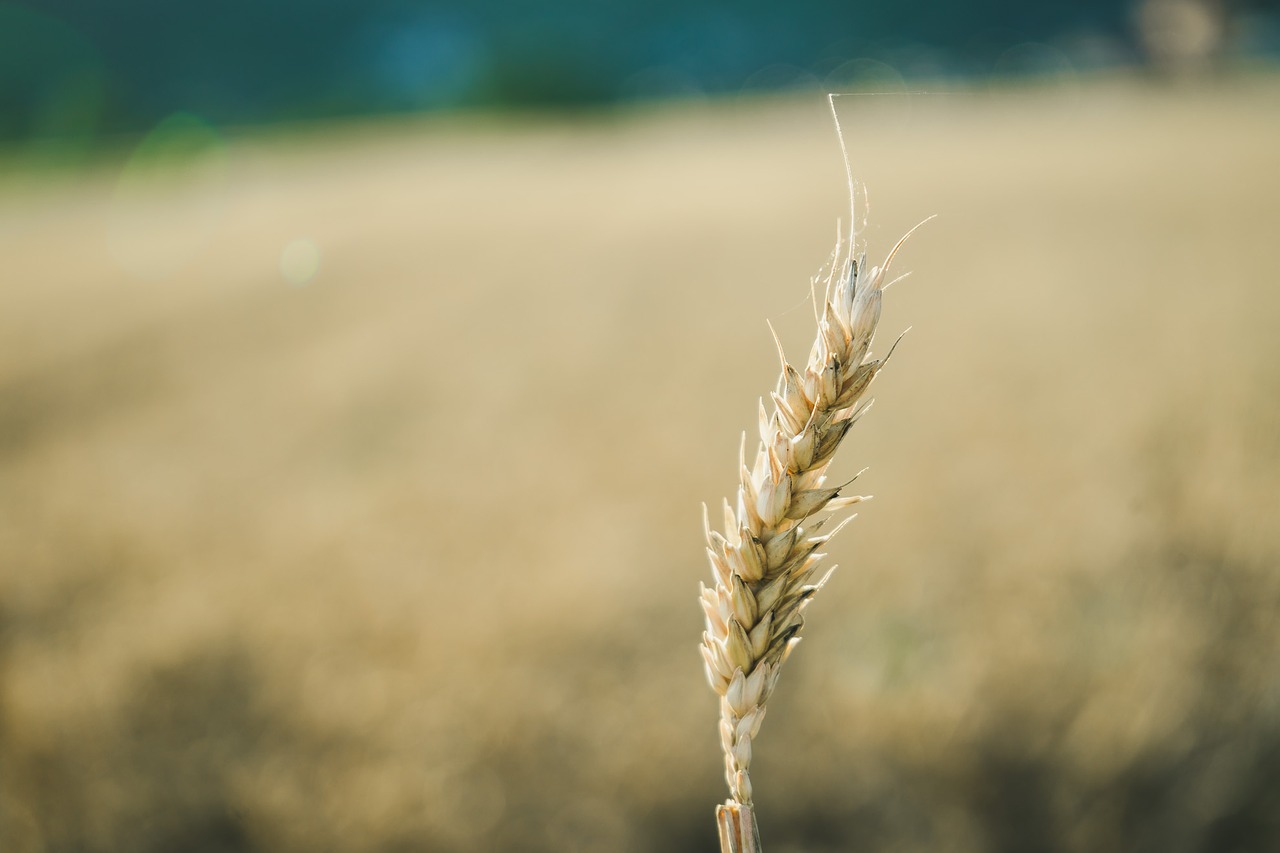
point(88, 68)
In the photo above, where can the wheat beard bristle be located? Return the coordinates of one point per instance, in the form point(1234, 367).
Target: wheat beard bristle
point(764, 562)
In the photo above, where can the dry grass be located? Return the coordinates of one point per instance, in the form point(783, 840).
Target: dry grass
point(403, 558)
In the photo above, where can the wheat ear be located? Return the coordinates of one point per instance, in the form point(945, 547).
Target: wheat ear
point(764, 563)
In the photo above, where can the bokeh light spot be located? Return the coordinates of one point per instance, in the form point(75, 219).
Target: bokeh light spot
point(300, 261)
point(169, 198)
point(865, 76)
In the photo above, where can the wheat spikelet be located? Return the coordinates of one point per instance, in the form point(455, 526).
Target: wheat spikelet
point(765, 561)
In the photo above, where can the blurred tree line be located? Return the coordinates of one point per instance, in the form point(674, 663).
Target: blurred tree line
point(78, 70)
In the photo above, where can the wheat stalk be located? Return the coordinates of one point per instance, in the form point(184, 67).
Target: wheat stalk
point(764, 562)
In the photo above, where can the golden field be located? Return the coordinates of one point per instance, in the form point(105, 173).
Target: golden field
point(389, 540)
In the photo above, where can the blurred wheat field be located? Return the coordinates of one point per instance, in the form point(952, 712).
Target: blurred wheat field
point(404, 556)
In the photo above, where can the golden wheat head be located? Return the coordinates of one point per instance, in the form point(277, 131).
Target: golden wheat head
point(765, 561)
